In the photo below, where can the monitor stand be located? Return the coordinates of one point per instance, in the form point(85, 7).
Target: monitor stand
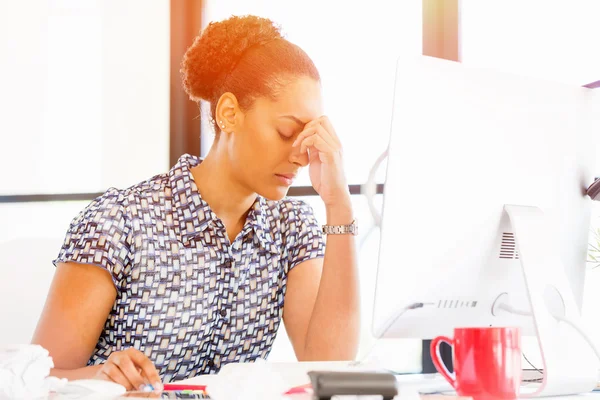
point(569, 363)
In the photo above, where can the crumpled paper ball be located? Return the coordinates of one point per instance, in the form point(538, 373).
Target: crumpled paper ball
point(24, 371)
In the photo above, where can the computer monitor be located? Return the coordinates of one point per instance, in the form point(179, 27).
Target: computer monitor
point(485, 203)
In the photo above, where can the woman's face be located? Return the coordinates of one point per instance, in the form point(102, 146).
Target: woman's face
point(261, 146)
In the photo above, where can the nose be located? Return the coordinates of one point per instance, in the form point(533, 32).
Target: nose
point(298, 158)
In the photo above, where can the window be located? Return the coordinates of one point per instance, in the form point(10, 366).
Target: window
point(554, 40)
point(85, 95)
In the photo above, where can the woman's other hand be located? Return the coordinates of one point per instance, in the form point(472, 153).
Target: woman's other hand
point(132, 369)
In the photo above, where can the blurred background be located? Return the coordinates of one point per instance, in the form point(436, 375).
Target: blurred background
point(90, 97)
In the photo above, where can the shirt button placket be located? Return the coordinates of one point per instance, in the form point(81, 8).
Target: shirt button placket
point(226, 288)
point(222, 304)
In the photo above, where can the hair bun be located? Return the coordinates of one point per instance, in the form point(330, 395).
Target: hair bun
point(216, 51)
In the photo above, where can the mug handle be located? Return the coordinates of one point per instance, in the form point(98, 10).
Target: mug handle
point(437, 359)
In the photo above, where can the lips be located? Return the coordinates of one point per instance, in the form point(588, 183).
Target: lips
point(286, 179)
point(287, 176)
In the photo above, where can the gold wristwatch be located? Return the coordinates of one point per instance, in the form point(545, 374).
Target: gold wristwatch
point(351, 229)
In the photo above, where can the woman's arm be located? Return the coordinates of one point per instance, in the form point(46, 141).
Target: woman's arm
point(79, 301)
point(322, 305)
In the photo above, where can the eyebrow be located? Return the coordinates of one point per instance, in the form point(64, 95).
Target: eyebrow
point(299, 122)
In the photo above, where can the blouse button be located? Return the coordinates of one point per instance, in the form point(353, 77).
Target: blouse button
point(223, 313)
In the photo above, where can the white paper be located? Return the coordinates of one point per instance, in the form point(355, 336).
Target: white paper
point(24, 371)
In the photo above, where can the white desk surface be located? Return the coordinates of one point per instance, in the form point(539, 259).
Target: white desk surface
point(404, 395)
point(267, 381)
point(133, 396)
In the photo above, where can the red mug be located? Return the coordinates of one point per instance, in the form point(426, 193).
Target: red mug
point(487, 362)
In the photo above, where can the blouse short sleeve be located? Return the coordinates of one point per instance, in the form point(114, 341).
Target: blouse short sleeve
point(303, 236)
point(100, 235)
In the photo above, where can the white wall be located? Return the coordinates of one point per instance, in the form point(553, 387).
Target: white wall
point(25, 277)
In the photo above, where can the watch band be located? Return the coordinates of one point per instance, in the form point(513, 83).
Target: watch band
point(351, 229)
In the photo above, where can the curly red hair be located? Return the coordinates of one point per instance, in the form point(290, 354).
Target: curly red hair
point(245, 55)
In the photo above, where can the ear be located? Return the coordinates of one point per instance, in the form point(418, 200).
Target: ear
point(228, 113)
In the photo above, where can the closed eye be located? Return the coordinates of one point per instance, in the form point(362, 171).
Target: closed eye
point(284, 136)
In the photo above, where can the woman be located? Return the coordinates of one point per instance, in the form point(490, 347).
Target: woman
point(195, 268)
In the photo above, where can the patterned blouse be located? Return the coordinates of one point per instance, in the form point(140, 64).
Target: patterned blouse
point(187, 297)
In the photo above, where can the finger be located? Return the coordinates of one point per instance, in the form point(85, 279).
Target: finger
point(329, 131)
point(311, 123)
point(317, 142)
point(326, 123)
point(319, 131)
point(303, 135)
point(148, 369)
point(313, 154)
point(326, 135)
point(326, 144)
point(309, 129)
point(127, 367)
point(111, 372)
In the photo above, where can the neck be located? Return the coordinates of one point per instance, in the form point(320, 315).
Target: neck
point(225, 195)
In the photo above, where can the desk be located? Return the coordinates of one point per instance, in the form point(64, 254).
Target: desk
point(134, 395)
point(264, 380)
point(294, 397)
point(308, 397)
